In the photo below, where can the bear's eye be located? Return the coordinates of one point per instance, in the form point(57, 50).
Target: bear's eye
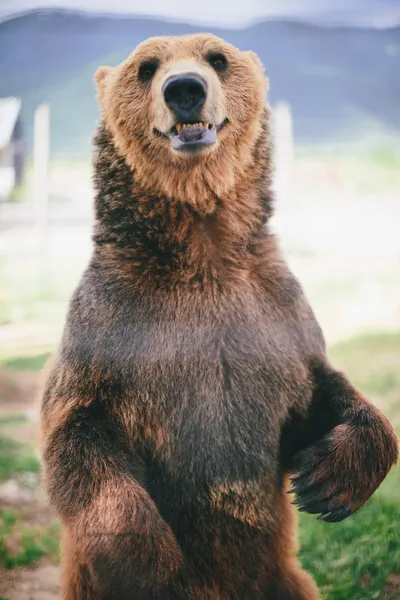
point(147, 70)
point(217, 61)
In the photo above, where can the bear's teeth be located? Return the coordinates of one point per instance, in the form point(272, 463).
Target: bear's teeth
point(180, 126)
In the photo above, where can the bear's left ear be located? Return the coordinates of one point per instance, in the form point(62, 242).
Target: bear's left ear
point(258, 64)
point(101, 79)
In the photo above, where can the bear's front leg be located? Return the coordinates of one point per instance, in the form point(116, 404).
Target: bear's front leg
point(125, 543)
point(119, 547)
point(338, 473)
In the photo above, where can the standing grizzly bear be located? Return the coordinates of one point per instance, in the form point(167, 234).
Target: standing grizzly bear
point(192, 375)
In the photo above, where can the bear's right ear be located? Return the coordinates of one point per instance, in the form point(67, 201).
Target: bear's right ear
point(101, 79)
point(259, 66)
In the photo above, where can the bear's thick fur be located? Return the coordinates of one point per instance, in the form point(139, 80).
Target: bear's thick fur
point(192, 375)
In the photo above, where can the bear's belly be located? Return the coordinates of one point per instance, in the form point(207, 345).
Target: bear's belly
point(207, 390)
point(214, 413)
point(219, 425)
point(232, 505)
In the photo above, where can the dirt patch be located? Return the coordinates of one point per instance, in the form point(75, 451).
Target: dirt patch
point(393, 587)
point(37, 583)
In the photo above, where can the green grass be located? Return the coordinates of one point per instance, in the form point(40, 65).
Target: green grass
point(355, 559)
point(16, 458)
point(22, 544)
point(30, 362)
point(31, 293)
point(11, 420)
point(373, 362)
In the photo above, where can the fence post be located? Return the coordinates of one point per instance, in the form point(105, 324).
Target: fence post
point(284, 152)
point(41, 157)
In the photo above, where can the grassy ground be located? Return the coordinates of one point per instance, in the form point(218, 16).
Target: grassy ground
point(22, 544)
point(358, 559)
point(28, 532)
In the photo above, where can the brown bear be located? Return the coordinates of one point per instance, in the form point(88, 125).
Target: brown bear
point(192, 375)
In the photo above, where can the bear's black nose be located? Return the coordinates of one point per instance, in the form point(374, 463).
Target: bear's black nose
point(185, 94)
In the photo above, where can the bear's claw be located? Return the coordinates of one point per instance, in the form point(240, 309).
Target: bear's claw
point(336, 515)
point(318, 487)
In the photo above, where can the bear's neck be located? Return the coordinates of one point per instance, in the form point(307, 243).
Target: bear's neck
point(141, 232)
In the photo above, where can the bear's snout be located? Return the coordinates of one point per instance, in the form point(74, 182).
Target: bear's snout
point(185, 94)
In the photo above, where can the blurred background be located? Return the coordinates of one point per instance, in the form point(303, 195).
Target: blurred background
point(334, 70)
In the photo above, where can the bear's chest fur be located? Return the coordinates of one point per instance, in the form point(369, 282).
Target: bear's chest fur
point(203, 384)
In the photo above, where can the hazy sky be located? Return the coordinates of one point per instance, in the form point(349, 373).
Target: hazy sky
point(378, 12)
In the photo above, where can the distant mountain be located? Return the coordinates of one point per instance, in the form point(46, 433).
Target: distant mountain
point(338, 80)
point(228, 13)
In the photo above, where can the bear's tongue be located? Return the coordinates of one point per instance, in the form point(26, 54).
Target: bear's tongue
point(191, 136)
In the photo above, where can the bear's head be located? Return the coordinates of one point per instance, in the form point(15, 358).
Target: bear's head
point(186, 113)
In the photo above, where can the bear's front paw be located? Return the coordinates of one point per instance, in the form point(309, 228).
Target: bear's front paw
point(339, 473)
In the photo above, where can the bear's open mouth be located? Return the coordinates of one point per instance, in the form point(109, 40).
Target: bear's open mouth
point(191, 136)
